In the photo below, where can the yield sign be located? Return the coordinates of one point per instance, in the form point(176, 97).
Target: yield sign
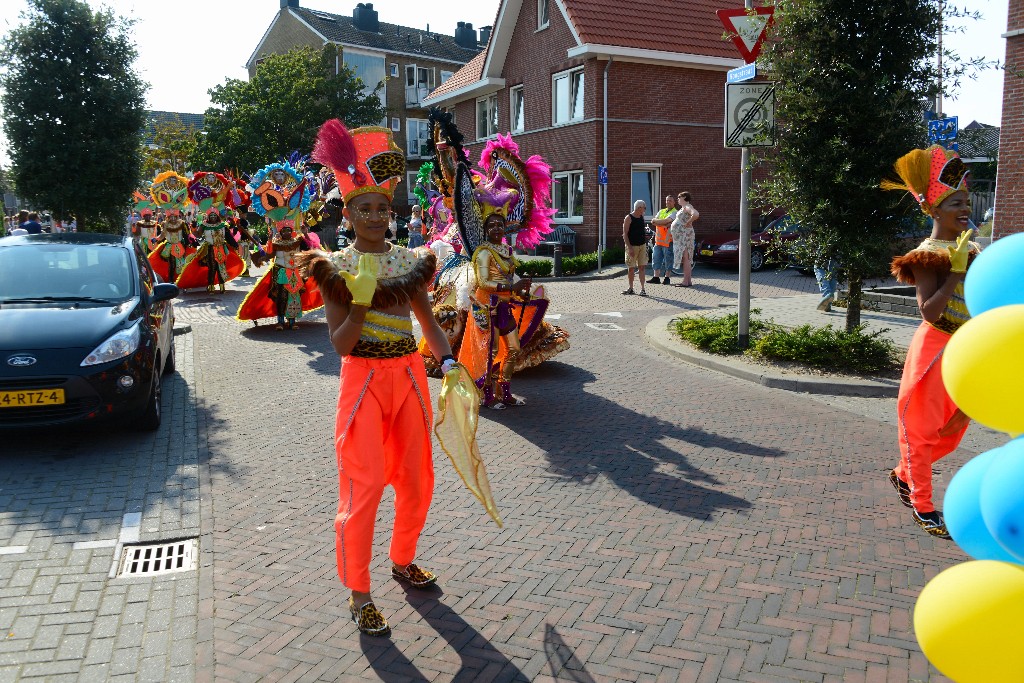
point(747, 28)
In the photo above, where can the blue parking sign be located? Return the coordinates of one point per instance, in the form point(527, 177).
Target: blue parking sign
point(602, 175)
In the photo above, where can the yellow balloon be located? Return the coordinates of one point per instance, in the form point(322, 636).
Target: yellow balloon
point(983, 368)
point(969, 619)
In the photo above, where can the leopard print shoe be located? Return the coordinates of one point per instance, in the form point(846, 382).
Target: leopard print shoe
point(414, 576)
point(368, 619)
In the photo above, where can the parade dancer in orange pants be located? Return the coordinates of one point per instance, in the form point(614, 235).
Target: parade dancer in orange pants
point(929, 423)
point(382, 432)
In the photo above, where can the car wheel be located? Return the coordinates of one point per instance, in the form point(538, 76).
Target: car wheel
point(150, 418)
point(756, 259)
point(169, 365)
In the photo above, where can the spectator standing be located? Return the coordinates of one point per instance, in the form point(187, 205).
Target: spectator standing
point(634, 234)
point(683, 237)
point(32, 226)
point(662, 253)
point(417, 229)
point(826, 272)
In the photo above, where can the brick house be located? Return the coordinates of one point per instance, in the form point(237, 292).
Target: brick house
point(411, 62)
point(543, 75)
point(1009, 215)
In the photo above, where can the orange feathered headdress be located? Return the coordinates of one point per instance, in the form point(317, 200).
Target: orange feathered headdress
point(363, 160)
point(930, 175)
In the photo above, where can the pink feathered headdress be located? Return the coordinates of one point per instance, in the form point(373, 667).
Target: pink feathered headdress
point(531, 218)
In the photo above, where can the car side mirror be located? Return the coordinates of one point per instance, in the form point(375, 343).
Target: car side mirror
point(165, 291)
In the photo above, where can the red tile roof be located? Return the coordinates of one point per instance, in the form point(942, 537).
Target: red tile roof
point(691, 27)
point(472, 72)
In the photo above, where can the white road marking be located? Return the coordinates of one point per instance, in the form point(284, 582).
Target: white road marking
point(13, 549)
point(90, 545)
point(553, 316)
point(604, 327)
point(613, 314)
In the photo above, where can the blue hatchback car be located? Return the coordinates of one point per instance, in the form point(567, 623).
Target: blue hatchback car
point(86, 331)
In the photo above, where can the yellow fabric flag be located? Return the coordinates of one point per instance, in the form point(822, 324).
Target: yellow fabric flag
point(458, 410)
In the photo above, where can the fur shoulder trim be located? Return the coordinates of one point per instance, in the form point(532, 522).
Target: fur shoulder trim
point(903, 266)
point(326, 268)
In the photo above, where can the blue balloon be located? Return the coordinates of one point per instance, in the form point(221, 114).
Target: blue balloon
point(1002, 498)
point(994, 278)
point(962, 510)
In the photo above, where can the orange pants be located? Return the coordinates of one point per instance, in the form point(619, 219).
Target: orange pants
point(382, 437)
point(923, 408)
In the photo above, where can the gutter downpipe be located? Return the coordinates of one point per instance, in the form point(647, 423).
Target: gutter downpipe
point(602, 238)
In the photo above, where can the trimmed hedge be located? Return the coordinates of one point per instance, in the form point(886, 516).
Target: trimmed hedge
point(534, 268)
point(584, 263)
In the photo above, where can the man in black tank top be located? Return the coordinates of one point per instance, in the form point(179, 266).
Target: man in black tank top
point(634, 234)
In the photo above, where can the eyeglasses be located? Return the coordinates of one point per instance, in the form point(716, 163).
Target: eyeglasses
point(366, 214)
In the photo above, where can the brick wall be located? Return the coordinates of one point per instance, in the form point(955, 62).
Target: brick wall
point(1009, 215)
point(288, 34)
point(657, 115)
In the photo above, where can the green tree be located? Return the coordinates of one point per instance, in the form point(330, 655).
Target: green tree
point(173, 143)
point(73, 109)
point(852, 80)
point(253, 123)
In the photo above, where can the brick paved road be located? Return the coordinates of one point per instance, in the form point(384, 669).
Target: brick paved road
point(663, 522)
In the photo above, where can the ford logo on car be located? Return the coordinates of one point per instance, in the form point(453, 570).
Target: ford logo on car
point(21, 361)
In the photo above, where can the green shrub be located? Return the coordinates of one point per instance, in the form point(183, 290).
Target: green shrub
point(584, 263)
point(533, 268)
point(829, 349)
point(717, 334)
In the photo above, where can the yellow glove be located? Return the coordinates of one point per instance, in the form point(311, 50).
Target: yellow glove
point(958, 254)
point(364, 282)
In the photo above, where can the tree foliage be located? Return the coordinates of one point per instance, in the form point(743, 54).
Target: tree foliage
point(73, 108)
point(852, 82)
point(173, 143)
point(255, 122)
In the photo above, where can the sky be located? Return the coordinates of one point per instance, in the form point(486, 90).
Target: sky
point(170, 34)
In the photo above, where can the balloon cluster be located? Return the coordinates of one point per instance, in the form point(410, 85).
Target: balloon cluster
point(969, 618)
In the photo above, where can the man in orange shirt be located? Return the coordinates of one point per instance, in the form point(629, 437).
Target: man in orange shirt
point(662, 253)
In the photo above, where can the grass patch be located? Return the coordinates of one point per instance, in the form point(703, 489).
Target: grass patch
point(824, 348)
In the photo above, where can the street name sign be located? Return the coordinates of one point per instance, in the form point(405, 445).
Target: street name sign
point(747, 72)
point(747, 28)
point(750, 114)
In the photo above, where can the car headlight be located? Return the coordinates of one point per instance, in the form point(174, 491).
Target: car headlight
point(729, 247)
point(118, 345)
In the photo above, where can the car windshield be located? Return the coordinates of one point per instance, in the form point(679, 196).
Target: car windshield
point(65, 272)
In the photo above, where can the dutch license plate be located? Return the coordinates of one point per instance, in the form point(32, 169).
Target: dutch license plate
point(34, 397)
point(707, 252)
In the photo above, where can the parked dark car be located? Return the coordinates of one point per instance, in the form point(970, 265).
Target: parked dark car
point(86, 331)
point(766, 245)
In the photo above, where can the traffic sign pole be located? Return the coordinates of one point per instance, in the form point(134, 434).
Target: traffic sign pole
point(743, 303)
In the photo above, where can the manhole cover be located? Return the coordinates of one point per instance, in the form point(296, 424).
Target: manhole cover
point(159, 558)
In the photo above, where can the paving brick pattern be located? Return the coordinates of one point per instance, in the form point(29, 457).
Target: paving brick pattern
point(663, 522)
point(61, 617)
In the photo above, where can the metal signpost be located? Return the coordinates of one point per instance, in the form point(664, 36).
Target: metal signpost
point(749, 121)
point(602, 199)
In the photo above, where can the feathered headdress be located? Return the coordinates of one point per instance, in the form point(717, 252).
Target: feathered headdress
point(279, 191)
point(930, 175)
point(169, 192)
point(446, 147)
point(209, 190)
point(364, 160)
point(519, 191)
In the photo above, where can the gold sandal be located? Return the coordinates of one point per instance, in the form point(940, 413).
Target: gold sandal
point(368, 619)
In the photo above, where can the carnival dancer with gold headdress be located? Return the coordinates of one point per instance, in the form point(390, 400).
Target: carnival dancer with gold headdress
point(384, 413)
point(280, 194)
point(169, 192)
point(216, 261)
point(495, 319)
point(930, 426)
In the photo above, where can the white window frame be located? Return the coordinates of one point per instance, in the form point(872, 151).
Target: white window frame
point(655, 187)
point(493, 97)
point(420, 94)
point(512, 109)
point(396, 124)
point(564, 179)
point(445, 75)
point(393, 70)
point(568, 74)
point(410, 181)
point(417, 126)
point(543, 14)
point(451, 110)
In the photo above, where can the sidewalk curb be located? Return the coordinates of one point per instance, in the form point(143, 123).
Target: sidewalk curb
point(583, 278)
point(658, 336)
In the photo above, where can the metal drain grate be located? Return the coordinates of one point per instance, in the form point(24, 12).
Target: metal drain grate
point(159, 558)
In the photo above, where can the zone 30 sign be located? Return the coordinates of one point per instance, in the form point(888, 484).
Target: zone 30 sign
point(750, 114)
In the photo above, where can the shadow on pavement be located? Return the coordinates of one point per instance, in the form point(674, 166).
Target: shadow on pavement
point(562, 660)
point(585, 435)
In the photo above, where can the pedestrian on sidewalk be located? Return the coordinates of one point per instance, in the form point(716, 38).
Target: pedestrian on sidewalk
point(826, 272)
point(930, 426)
point(384, 418)
point(634, 234)
point(684, 238)
point(662, 252)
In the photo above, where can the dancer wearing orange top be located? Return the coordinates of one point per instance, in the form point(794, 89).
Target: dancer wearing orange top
point(384, 416)
point(930, 425)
